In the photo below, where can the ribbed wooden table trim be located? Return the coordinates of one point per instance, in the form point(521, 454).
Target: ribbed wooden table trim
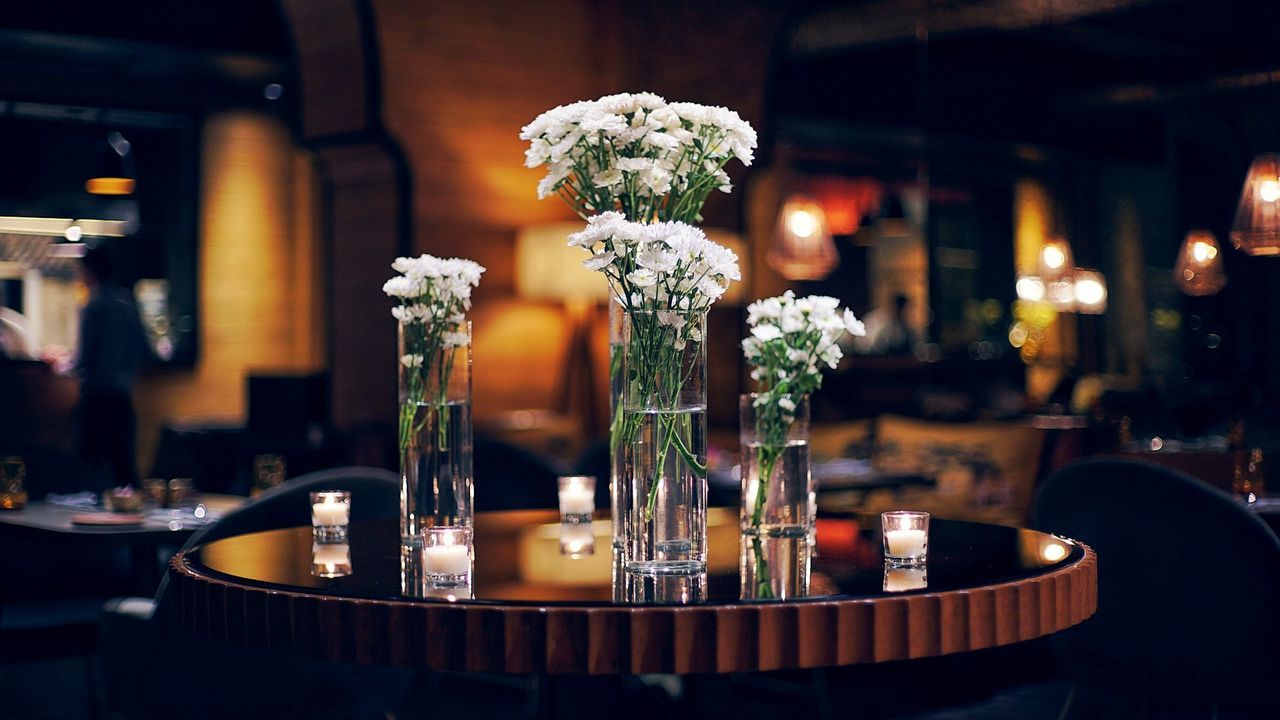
point(611, 640)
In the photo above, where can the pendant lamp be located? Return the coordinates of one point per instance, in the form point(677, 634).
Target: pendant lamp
point(1257, 227)
point(114, 172)
point(802, 248)
point(1199, 268)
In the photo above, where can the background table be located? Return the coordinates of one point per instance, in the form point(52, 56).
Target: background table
point(537, 612)
point(46, 524)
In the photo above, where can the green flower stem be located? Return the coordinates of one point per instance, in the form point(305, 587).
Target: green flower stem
point(764, 589)
point(772, 426)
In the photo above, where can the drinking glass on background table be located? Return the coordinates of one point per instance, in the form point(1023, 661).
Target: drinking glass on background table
point(906, 537)
point(268, 472)
point(156, 490)
point(1247, 478)
point(182, 493)
point(13, 477)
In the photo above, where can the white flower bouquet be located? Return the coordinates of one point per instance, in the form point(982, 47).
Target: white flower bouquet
point(637, 154)
point(791, 340)
point(665, 275)
point(433, 296)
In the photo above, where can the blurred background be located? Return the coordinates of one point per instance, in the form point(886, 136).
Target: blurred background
point(1004, 190)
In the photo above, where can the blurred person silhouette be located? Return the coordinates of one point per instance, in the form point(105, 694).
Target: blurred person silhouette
point(887, 330)
point(111, 350)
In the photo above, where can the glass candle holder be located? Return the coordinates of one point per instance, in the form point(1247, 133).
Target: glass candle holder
point(330, 560)
point(577, 540)
point(902, 579)
point(446, 556)
point(577, 498)
point(13, 491)
point(330, 515)
point(906, 537)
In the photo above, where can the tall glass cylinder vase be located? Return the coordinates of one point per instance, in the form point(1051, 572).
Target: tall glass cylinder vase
point(617, 382)
point(435, 435)
point(663, 497)
point(778, 495)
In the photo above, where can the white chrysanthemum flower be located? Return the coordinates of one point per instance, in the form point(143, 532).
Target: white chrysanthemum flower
point(601, 261)
point(765, 333)
point(606, 178)
point(790, 340)
point(671, 150)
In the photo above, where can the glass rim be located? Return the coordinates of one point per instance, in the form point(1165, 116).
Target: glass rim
point(439, 530)
point(331, 494)
point(904, 513)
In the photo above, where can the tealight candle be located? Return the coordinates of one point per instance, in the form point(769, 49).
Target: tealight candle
point(577, 498)
point(330, 515)
point(446, 556)
point(906, 536)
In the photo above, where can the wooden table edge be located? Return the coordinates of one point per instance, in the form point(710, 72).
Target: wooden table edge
point(573, 639)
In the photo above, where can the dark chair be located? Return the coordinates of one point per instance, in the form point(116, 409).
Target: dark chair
point(136, 640)
point(595, 461)
point(1188, 586)
point(509, 477)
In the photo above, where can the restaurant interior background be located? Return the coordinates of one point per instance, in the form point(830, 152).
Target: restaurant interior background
point(284, 153)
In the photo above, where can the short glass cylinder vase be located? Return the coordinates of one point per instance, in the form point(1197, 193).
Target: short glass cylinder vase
point(663, 439)
point(778, 493)
point(435, 433)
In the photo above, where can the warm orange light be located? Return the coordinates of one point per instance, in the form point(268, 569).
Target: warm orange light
point(803, 223)
point(1198, 270)
point(1055, 261)
point(802, 248)
point(1257, 227)
point(110, 186)
point(1269, 190)
point(1053, 257)
point(1090, 292)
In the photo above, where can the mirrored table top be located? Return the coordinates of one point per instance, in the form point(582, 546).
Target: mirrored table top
point(519, 561)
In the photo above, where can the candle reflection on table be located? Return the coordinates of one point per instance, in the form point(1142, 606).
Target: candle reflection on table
point(577, 540)
point(902, 579)
point(331, 560)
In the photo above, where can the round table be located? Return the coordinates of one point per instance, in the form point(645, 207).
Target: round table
point(532, 610)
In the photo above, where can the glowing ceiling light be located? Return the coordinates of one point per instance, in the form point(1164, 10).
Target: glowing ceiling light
point(1030, 288)
point(1256, 230)
point(1055, 260)
point(1198, 270)
point(1090, 292)
point(1269, 191)
point(802, 248)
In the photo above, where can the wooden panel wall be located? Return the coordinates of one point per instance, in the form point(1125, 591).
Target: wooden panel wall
point(258, 276)
point(459, 80)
